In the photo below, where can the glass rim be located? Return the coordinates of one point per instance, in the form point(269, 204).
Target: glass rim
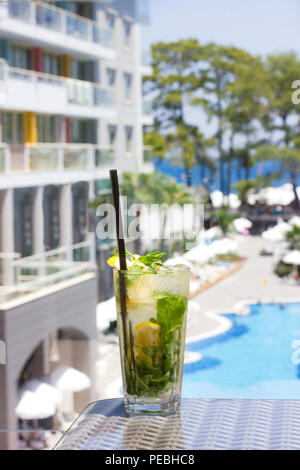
point(179, 268)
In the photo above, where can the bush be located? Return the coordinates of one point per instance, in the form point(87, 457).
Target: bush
point(283, 270)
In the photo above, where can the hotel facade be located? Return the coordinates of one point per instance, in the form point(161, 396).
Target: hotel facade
point(71, 107)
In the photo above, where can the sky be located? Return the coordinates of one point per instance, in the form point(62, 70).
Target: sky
point(258, 26)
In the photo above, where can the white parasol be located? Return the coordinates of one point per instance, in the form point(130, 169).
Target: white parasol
point(68, 379)
point(199, 254)
point(224, 246)
point(276, 233)
point(105, 313)
point(43, 391)
point(295, 220)
point(31, 406)
point(293, 257)
point(213, 232)
point(241, 223)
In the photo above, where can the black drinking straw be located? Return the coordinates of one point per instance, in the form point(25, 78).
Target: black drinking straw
point(119, 229)
point(121, 250)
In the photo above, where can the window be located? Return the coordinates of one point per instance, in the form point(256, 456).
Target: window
point(51, 64)
point(127, 35)
point(79, 130)
point(128, 142)
point(77, 69)
point(111, 77)
point(12, 132)
point(19, 128)
point(51, 217)
point(46, 128)
point(110, 21)
point(8, 128)
point(20, 57)
point(112, 133)
point(128, 86)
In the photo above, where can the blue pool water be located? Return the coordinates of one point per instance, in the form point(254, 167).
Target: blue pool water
point(259, 357)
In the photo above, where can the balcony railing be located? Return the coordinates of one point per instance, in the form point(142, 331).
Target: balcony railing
point(30, 274)
point(20, 10)
point(104, 156)
point(59, 20)
point(45, 157)
point(55, 157)
point(77, 91)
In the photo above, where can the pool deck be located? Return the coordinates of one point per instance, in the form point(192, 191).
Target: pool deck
point(253, 282)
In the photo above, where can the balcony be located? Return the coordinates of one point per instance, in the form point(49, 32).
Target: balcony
point(50, 25)
point(39, 92)
point(55, 157)
point(22, 276)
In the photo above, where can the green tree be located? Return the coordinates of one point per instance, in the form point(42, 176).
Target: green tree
point(183, 146)
point(281, 116)
point(173, 79)
point(293, 238)
point(244, 111)
point(171, 86)
point(216, 77)
point(245, 186)
point(201, 148)
point(223, 218)
point(289, 158)
point(280, 113)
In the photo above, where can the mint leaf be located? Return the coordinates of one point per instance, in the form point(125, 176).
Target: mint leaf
point(152, 259)
point(170, 310)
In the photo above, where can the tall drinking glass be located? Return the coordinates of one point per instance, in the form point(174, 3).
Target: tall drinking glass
point(151, 310)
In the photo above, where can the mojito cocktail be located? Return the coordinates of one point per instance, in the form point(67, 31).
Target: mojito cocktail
point(151, 328)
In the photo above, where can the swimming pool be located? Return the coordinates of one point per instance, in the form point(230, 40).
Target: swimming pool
point(259, 357)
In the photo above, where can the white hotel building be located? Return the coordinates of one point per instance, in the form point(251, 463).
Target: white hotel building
point(71, 107)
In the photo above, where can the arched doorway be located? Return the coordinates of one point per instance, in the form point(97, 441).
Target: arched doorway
point(66, 348)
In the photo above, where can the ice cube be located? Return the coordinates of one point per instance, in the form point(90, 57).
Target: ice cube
point(142, 289)
point(175, 282)
point(140, 313)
